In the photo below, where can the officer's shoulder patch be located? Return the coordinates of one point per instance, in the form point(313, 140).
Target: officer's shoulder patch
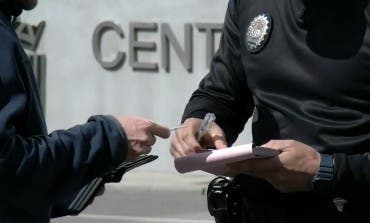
point(258, 32)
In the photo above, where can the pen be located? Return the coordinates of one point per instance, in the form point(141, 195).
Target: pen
point(208, 119)
point(178, 127)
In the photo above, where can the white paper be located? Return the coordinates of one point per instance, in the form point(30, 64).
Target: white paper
point(215, 161)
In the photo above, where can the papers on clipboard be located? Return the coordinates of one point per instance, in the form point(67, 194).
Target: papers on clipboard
point(215, 161)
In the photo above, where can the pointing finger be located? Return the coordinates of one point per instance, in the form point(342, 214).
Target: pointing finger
point(160, 130)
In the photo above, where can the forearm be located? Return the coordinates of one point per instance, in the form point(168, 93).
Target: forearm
point(224, 90)
point(43, 168)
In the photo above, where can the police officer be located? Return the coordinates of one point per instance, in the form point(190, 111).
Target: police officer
point(301, 69)
point(38, 171)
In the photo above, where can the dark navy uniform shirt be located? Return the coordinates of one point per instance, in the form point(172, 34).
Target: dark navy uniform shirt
point(39, 171)
point(309, 82)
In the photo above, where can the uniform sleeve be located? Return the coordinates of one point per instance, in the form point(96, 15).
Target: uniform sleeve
point(352, 176)
point(224, 90)
point(37, 170)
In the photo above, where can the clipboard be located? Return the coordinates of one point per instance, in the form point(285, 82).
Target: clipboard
point(215, 161)
point(85, 196)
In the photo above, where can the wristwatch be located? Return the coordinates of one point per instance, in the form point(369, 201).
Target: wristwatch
point(323, 181)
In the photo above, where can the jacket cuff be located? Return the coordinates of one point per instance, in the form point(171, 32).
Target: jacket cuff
point(118, 143)
point(340, 173)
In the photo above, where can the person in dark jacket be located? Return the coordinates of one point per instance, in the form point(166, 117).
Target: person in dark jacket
point(301, 69)
point(37, 170)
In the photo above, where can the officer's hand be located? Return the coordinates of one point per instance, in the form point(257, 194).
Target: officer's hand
point(141, 135)
point(184, 141)
point(291, 171)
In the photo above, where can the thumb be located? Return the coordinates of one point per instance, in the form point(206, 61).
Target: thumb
point(217, 136)
point(219, 142)
point(280, 145)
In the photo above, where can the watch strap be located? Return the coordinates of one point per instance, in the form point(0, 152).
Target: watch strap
point(323, 181)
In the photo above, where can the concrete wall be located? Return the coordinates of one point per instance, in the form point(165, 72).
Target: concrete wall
point(77, 86)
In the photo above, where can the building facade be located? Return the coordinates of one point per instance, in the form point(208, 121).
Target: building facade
point(126, 57)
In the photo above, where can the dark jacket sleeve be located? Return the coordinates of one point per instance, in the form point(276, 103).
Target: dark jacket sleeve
point(352, 176)
point(37, 170)
point(224, 90)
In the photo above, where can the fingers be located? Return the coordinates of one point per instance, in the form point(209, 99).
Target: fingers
point(176, 148)
point(101, 190)
point(183, 142)
point(159, 130)
point(257, 167)
point(141, 134)
point(136, 150)
point(146, 150)
point(267, 166)
point(213, 141)
point(219, 141)
point(215, 137)
point(281, 145)
point(151, 139)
